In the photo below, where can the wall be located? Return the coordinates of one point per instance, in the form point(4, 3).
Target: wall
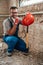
point(3, 11)
point(35, 34)
point(3, 7)
point(32, 8)
point(13, 3)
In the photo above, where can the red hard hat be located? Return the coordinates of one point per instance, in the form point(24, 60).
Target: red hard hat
point(28, 19)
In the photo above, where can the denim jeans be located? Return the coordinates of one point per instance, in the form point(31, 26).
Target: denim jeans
point(14, 42)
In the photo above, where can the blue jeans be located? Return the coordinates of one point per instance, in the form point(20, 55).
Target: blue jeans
point(14, 42)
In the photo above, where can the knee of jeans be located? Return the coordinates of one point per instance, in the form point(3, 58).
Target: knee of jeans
point(11, 39)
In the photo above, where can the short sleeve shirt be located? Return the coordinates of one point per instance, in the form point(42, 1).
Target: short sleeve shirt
point(6, 26)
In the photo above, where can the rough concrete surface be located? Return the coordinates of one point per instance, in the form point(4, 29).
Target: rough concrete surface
point(20, 58)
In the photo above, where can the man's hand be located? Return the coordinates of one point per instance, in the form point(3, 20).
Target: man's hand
point(16, 21)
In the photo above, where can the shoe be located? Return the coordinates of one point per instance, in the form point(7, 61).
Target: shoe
point(9, 54)
point(26, 54)
point(27, 50)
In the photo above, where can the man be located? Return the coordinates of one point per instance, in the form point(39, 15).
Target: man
point(11, 27)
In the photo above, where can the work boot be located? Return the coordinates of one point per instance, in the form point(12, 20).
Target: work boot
point(9, 54)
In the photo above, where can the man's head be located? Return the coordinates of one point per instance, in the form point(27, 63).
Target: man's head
point(13, 12)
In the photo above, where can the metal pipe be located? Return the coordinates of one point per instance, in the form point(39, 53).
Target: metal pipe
point(34, 13)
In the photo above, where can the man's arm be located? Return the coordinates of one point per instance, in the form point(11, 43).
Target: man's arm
point(7, 29)
point(12, 31)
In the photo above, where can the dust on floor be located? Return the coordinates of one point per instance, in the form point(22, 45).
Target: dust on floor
point(19, 58)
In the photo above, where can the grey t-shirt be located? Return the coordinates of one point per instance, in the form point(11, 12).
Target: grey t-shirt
point(6, 25)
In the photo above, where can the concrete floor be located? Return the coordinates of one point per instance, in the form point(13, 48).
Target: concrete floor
point(19, 58)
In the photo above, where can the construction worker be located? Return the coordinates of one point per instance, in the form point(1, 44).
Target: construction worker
point(10, 28)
